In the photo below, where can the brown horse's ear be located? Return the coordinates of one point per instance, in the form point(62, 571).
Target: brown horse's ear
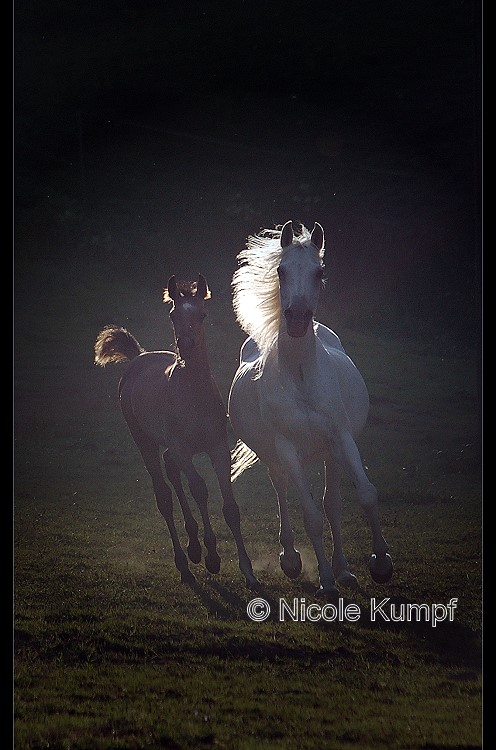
point(171, 292)
point(202, 287)
point(317, 236)
point(287, 234)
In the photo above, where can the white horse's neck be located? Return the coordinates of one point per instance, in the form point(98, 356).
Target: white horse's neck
point(297, 356)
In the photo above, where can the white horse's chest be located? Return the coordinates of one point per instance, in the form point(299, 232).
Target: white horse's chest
point(297, 405)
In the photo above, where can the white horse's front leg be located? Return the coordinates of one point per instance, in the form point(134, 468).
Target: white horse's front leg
point(290, 558)
point(312, 515)
point(380, 564)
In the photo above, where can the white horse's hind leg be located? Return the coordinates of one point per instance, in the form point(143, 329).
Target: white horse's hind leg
point(380, 565)
point(289, 559)
point(333, 508)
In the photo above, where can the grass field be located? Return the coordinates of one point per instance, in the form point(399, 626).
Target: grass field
point(111, 651)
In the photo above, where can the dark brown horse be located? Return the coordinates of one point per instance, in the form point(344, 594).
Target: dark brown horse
point(172, 404)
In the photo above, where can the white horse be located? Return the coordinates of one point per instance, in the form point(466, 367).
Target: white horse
point(297, 398)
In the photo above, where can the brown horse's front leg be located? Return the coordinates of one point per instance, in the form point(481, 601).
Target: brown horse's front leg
point(174, 475)
point(199, 491)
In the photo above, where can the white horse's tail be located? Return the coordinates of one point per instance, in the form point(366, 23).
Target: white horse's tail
point(242, 458)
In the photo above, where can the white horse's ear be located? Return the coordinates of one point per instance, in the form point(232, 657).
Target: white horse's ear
point(287, 234)
point(202, 287)
point(171, 291)
point(317, 236)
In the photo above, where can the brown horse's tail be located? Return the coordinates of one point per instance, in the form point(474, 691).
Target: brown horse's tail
point(115, 344)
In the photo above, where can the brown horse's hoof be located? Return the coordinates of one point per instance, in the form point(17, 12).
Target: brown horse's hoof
point(212, 563)
point(290, 567)
point(194, 551)
point(347, 579)
point(253, 584)
point(187, 577)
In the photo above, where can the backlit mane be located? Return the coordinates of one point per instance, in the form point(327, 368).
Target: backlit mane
point(256, 299)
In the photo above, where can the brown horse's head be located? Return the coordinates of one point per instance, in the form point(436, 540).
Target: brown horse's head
point(188, 312)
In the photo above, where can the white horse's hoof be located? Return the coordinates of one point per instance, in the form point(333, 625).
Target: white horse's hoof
point(347, 579)
point(381, 568)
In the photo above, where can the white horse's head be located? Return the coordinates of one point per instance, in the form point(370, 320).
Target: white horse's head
point(300, 278)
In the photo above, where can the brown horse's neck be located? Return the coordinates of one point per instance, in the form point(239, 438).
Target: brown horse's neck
point(197, 366)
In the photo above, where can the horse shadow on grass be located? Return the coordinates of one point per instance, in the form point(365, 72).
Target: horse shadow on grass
point(436, 631)
point(448, 642)
point(225, 603)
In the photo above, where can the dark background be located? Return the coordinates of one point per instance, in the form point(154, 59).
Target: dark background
point(142, 126)
point(152, 138)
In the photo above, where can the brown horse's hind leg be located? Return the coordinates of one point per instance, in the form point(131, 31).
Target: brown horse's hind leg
point(221, 461)
point(163, 494)
point(174, 474)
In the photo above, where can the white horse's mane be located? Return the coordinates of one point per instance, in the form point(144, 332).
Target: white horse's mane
point(255, 283)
